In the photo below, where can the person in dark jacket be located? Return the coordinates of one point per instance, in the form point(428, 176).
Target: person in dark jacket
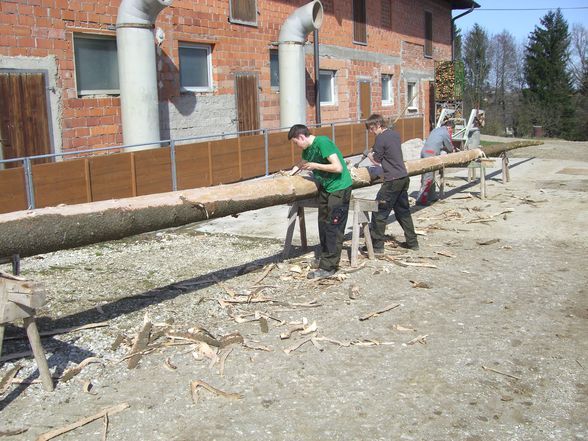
point(393, 195)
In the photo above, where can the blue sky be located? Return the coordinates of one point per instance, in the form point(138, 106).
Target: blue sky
point(520, 23)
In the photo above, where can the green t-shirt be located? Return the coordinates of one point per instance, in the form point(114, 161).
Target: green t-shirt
point(321, 148)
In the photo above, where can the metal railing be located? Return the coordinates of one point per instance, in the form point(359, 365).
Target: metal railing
point(172, 143)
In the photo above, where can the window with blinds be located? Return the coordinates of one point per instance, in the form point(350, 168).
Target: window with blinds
point(359, 22)
point(428, 34)
point(386, 14)
point(243, 12)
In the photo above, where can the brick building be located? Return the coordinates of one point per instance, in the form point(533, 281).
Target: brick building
point(59, 86)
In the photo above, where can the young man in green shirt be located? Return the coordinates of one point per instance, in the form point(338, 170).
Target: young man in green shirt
point(324, 159)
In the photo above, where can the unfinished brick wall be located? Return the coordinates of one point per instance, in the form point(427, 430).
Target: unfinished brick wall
point(42, 28)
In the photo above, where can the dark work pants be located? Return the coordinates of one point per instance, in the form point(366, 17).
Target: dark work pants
point(393, 195)
point(332, 217)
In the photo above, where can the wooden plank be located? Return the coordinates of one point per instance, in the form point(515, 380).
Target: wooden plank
point(247, 96)
point(281, 152)
point(400, 128)
point(13, 196)
point(24, 120)
point(153, 171)
point(359, 21)
point(244, 10)
point(343, 139)
point(59, 183)
point(111, 176)
point(252, 156)
point(323, 131)
point(428, 34)
point(365, 99)
point(41, 143)
point(358, 138)
point(192, 165)
point(225, 161)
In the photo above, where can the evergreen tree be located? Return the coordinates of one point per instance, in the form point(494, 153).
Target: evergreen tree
point(477, 66)
point(549, 94)
point(457, 43)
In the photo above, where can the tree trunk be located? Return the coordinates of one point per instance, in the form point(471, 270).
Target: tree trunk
point(56, 228)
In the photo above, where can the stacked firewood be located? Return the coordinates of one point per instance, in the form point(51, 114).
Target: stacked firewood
point(448, 80)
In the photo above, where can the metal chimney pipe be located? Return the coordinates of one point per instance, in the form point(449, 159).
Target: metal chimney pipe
point(137, 70)
point(292, 64)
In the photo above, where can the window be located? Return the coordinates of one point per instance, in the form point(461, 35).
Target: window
point(195, 67)
point(274, 69)
point(387, 97)
point(327, 87)
point(243, 12)
point(96, 64)
point(359, 22)
point(411, 99)
point(428, 34)
point(386, 15)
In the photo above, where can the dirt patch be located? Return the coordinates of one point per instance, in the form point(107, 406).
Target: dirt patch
point(488, 340)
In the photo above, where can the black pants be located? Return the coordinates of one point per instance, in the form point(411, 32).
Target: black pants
point(332, 217)
point(393, 195)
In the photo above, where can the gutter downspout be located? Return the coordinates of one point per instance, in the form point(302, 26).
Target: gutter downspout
point(317, 76)
point(292, 64)
point(453, 29)
point(137, 71)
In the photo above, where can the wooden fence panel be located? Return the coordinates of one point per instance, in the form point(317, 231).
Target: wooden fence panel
point(281, 152)
point(153, 171)
point(399, 127)
point(358, 138)
point(252, 156)
point(193, 165)
point(65, 182)
point(371, 140)
point(225, 161)
point(111, 176)
point(323, 131)
point(419, 131)
point(343, 139)
point(13, 196)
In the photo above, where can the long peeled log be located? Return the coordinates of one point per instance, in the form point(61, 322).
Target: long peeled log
point(56, 228)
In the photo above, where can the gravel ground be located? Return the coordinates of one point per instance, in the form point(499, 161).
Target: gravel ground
point(488, 345)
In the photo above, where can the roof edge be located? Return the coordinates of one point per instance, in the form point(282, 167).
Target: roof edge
point(463, 4)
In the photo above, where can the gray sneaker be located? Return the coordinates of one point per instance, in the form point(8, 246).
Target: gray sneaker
point(320, 274)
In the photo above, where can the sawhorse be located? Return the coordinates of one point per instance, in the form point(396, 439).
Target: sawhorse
point(359, 209)
point(18, 300)
point(483, 164)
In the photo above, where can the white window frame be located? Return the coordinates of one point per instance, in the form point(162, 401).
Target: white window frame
point(85, 92)
point(333, 76)
point(208, 48)
point(414, 106)
point(388, 100)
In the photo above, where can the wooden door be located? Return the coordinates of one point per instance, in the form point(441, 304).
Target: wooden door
point(365, 99)
point(24, 123)
point(247, 101)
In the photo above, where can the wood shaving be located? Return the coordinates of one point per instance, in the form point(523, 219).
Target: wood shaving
point(196, 384)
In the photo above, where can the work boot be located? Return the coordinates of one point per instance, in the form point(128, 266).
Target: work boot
point(377, 251)
point(409, 247)
point(320, 274)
